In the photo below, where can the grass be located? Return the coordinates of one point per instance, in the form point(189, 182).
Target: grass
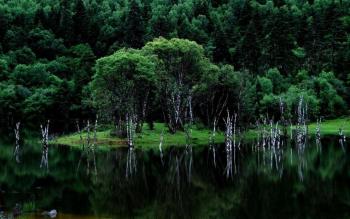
point(331, 127)
point(148, 138)
point(200, 136)
point(28, 207)
point(328, 127)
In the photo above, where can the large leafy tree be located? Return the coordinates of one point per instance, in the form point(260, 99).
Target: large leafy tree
point(221, 89)
point(122, 85)
point(183, 63)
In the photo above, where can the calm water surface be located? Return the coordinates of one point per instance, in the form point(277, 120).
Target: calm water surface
point(288, 182)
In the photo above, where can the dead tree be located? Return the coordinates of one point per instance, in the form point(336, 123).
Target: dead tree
point(88, 152)
point(94, 144)
point(80, 134)
point(301, 132)
point(160, 146)
point(318, 129)
point(130, 129)
point(284, 122)
point(230, 140)
point(45, 145)
point(212, 141)
point(17, 145)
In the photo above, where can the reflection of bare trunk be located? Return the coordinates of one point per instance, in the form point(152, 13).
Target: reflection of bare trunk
point(160, 146)
point(234, 143)
point(188, 162)
point(178, 174)
point(130, 163)
point(301, 132)
point(94, 144)
point(88, 147)
point(318, 134)
point(212, 141)
point(17, 146)
point(342, 138)
point(230, 137)
point(45, 143)
point(89, 152)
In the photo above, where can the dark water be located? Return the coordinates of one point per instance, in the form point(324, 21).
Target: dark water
point(312, 182)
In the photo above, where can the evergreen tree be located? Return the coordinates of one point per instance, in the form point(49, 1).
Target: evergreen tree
point(66, 22)
point(134, 25)
point(81, 22)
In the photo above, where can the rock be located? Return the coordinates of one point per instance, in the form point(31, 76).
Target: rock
point(51, 214)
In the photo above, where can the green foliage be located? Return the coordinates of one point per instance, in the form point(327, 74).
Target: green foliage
point(7, 95)
point(328, 88)
point(299, 52)
point(178, 54)
point(301, 77)
point(278, 81)
point(40, 100)
point(292, 98)
point(23, 55)
point(3, 69)
point(44, 43)
point(48, 51)
point(265, 85)
point(149, 139)
point(182, 63)
point(122, 83)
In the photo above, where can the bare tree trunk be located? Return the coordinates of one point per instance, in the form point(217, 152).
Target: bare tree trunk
point(143, 113)
point(45, 143)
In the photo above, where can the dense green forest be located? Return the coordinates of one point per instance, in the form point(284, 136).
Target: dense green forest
point(172, 61)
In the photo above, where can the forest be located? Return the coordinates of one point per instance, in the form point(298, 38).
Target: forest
point(174, 109)
point(171, 61)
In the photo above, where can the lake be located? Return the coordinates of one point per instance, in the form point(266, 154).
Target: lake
point(291, 181)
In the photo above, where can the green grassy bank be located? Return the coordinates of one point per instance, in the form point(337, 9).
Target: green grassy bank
point(200, 136)
point(147, 139)
point(331, 127)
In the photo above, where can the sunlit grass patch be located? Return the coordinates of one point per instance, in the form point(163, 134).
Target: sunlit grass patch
point(200, 136)
point(147, 139)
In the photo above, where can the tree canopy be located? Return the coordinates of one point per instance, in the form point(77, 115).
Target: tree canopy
point(59, 58)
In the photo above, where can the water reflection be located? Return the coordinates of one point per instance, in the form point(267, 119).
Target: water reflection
point(272, 178)
point(16, 152)
point(130, 163)
point(88, 157)
point(44, 163)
